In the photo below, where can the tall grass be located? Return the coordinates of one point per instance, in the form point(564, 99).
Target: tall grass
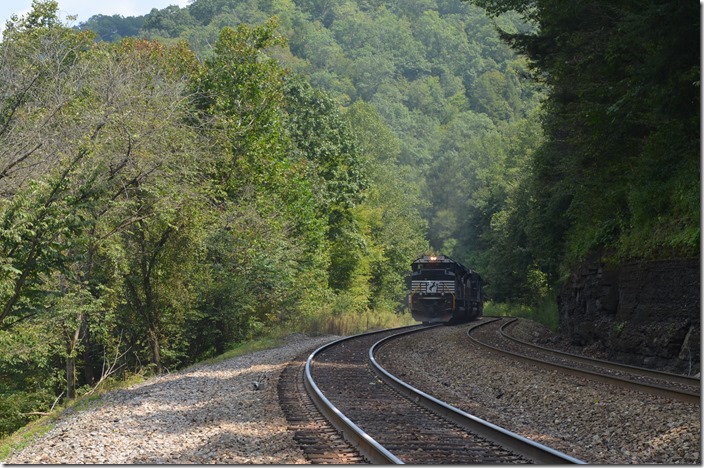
point(546, 313)
point(352, 322)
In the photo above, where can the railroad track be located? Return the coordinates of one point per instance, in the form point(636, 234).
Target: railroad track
point(493, 334)
point(320, 441)
point(401, 424)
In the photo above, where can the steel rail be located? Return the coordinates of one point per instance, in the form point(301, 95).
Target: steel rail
point(510, 440)
point(367, 446)
point(635, 370)
point(658, 390)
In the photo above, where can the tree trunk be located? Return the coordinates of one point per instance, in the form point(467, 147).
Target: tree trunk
point(88, 368)
point(86, 278)
point(71, 344)
point(71, 377)
point(156, 353)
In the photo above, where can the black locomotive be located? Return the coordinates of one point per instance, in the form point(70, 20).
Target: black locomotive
point(443, 290)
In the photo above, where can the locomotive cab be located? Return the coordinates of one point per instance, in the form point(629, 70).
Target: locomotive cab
point(433, 295)
point(442, 290)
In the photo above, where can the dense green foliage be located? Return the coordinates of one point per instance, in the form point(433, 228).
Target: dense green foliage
point(115, 27)
point(620, 169)
point(157, 208)
point(454, 100)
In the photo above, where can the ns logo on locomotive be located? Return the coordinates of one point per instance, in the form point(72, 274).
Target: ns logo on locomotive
point(443, 290)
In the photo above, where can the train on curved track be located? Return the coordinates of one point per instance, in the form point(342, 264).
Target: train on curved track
point(444, 290)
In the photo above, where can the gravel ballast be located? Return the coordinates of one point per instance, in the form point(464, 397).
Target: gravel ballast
point(207, 414)
point(595, 422)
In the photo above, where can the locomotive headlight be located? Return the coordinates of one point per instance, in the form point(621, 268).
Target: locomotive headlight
point(432, 259)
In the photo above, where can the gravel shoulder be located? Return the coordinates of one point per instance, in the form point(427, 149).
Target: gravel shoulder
point(208, 414)
point(594, 422)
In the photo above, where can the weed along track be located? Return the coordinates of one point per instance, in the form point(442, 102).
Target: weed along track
point(402, 425)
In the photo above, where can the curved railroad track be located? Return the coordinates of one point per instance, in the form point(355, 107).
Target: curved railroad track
point(405, 425)
point(493, 334)
point(320, 441)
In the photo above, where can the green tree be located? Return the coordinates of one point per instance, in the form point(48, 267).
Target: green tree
point(272, 195)
point(390, 217)
point(319, 135)
point(623, 95)
point(171, 21)
point(40, 57)
point(114, 27)
point(139, 152)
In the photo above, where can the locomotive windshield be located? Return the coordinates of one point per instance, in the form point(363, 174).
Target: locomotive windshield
point(430, 272)
point(434, 268)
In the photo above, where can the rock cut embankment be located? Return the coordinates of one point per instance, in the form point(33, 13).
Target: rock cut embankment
point(640, 313)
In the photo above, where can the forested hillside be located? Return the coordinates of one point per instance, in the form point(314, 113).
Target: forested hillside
point(458, 105)
point(618, 171)
point(583, 147)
